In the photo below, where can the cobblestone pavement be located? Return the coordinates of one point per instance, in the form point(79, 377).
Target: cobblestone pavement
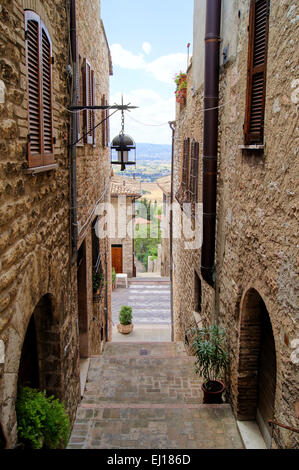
point(150, 300)
point(146, 395)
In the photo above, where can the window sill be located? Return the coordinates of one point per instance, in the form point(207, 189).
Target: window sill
point(251, 147)
point(40, 169)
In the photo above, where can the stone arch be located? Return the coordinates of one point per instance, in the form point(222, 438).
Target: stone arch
point(257, 368)
point(41, 277)
point(39, 9)
point(40, 362)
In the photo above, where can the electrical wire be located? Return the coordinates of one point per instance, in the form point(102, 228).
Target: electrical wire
point(198, 111)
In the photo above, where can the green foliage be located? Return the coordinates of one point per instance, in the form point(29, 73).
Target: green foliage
point(42, 421)
point(113, 276)
point(97, 280)
point(211, 358)
point(125, 315)
point(147, 237)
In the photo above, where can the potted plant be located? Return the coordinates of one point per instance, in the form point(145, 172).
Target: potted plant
point(181, 90)
point(211, 361)
point(125, 325)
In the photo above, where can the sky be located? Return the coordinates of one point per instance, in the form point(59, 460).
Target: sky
point(148, 42)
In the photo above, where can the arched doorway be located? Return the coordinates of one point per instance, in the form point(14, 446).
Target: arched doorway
point(257, 364)
point(40, 363)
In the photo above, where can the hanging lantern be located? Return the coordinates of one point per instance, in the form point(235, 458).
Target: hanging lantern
point(121, 147)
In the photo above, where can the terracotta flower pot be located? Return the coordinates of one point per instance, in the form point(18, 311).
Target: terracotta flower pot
point(214, 396)
point(125, 329)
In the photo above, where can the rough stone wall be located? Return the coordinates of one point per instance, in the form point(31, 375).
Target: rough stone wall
point(256, 210)
point(34, 213)
point(122, 231)
point(189, 123)
point(93, 162)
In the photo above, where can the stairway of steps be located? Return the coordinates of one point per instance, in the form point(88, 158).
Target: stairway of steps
point(147, 395)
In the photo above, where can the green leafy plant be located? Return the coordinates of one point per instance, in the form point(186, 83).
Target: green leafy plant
point(113, 276)
point(211, 358)
point(97, 280)
point(42, 421)
point(125, 315)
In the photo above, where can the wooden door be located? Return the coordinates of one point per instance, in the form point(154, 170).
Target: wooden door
point(267, 376)
point(117, 258)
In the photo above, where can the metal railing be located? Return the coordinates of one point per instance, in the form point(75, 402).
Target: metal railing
point(275, 423)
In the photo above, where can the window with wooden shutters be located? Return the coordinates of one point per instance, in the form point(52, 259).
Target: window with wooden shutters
point(257, 69)
point(93, 116)
point(104, 115)
point(107, 125)
point(79, 88)
point(39, 79)
point(193, 185)
point(89, 90)
point(87, 102)
point(185, 167)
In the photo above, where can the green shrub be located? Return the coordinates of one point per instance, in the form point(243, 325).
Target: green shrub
point(42, 421)
point(125, 315)
point(113, 276)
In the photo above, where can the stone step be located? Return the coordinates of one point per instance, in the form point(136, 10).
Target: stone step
point(155, 426)
point(148, 349)
point(163, 377)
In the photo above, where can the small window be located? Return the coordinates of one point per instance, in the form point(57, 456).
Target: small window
point(257, 68)
point(197, 293)
point(39, 79)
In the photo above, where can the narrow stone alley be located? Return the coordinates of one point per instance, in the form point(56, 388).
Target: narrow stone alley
point(146, 396)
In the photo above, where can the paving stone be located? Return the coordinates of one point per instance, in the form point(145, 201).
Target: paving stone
point(151, 401)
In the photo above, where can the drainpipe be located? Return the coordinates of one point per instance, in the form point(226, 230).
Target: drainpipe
point(210, 138)
point(74, 211)
point(172, 127)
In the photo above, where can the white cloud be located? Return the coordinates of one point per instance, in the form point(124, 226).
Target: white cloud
point(163, 69)
point(126, 59)
point(166, 67)
point(147, 47)
point(153, 110)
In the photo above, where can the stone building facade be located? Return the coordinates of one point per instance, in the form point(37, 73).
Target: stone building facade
point(253, 295)
point(124, 192)
point(39, 340)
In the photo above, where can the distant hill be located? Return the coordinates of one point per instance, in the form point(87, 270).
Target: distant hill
point(153, 152)
point(152, 162)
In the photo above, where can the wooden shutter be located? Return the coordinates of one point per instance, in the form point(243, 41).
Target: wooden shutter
point(39, 78)
point(185, 164)
point(87, 94)
point(107, 125)
point(104, 115)
point(257, 68)
point(47, 122)
point(32, 28)
point(194, 171)
point(93, 102)
point(79, 95)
